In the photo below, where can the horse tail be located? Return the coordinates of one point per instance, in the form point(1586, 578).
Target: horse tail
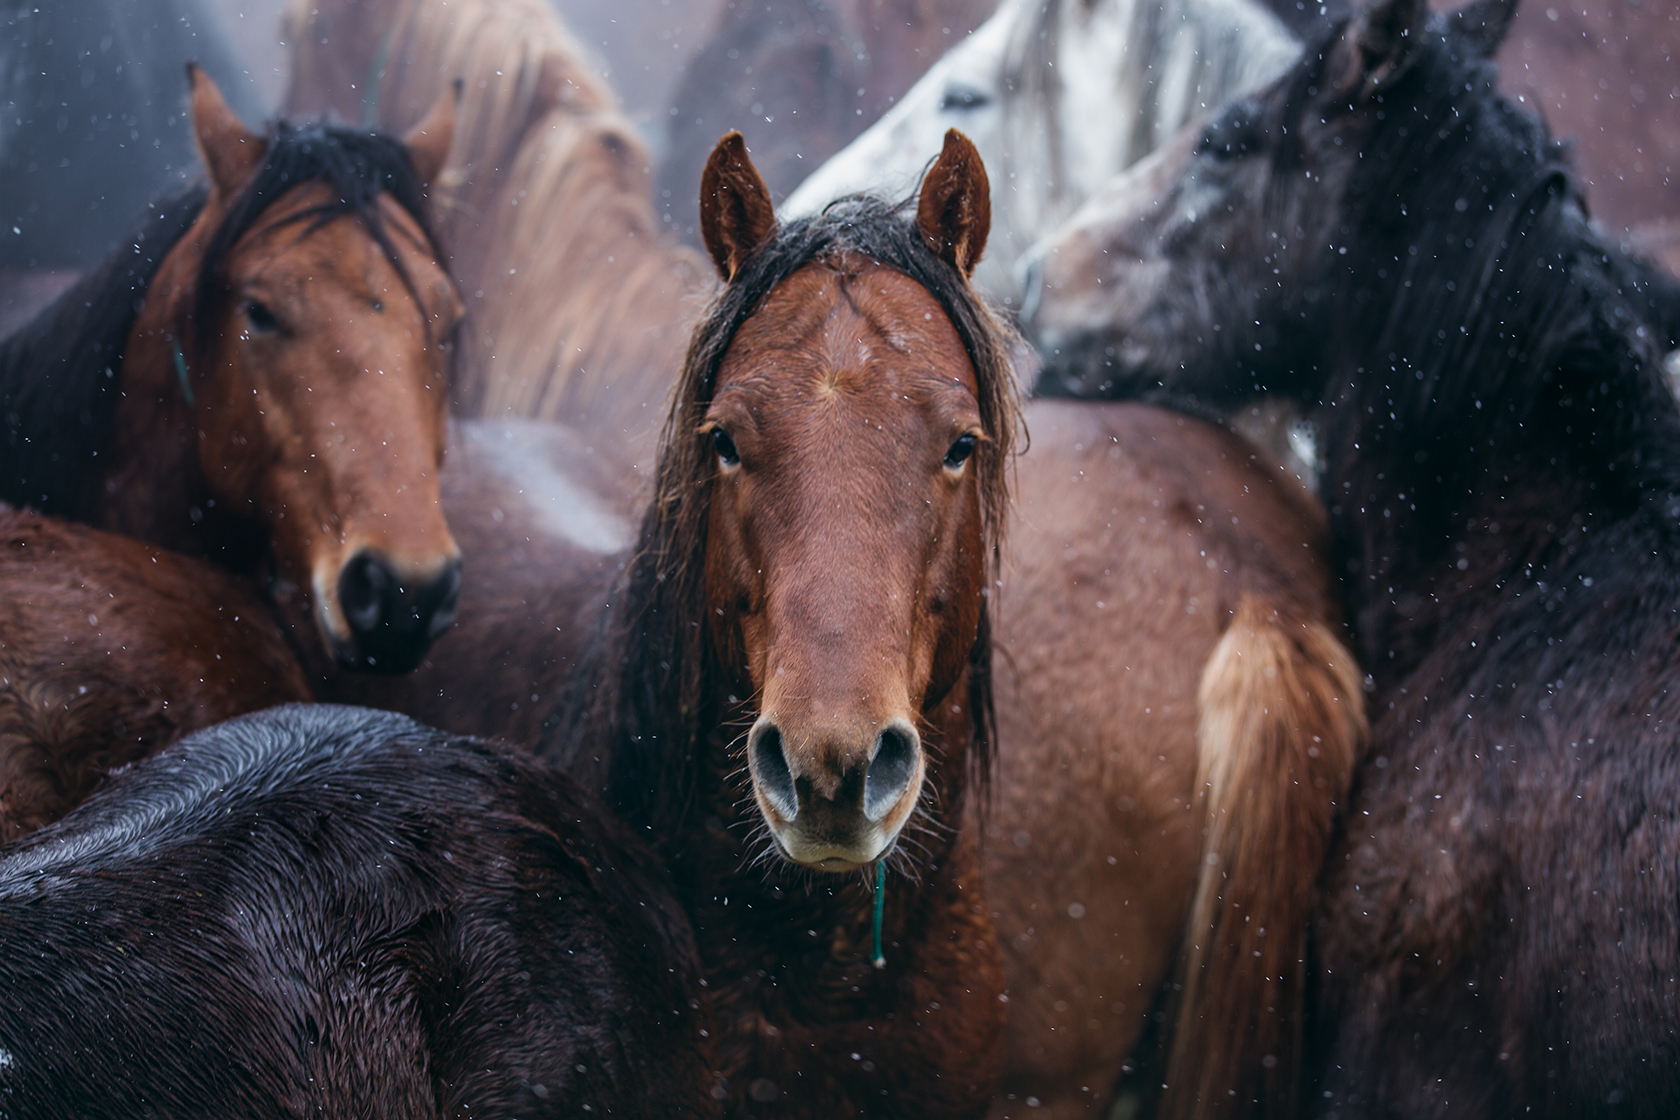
point(1281, 719)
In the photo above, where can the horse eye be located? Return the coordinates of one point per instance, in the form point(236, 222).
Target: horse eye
point(960, 451)
point(963, 98)
point(725, 447)
point(262, 320)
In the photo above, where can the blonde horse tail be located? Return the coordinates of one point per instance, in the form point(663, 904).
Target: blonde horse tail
point(1281, 721)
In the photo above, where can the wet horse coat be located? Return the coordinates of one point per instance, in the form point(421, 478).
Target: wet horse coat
point(110, 650)
point(330, 910)
point(1498, 932)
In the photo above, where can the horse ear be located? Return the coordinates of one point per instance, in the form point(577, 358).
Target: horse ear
point(736, 215)
point(1485, 23)
point(428, 142)
point(954, 212)
point(1383, 37)
point(231, 152)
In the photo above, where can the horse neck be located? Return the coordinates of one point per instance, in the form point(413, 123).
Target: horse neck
point(1476, 464)
point(151, 486)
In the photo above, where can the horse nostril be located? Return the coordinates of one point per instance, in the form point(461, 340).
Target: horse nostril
point(890, 772)
point(770, 769)
point(362, 589)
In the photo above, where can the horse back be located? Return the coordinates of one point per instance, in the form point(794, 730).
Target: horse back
point(1512, 843)
point(111, 649)
point(320, 908)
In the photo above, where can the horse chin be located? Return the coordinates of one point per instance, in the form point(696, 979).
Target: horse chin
point(826, 855)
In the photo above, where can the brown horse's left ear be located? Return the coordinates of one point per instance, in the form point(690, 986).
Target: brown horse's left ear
point(231, 152)
point(1486, 23)
point(429, 141)
point(736, 215)
point(954, 212)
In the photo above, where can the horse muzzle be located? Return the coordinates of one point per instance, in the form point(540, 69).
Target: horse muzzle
point(831, 809)
point(392, 617)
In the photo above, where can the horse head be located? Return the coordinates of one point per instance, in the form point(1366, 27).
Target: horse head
point(1029, 85)
point(300, 333)
point(850, 451)
point(1206, 270)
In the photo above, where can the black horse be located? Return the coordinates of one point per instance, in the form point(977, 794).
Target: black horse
point(319, 910)
point(1380, 233)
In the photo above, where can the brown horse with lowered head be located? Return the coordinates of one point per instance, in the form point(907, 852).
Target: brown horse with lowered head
point(110, 650)
point(260, 379)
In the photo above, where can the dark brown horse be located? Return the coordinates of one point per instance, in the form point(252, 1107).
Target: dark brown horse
point(259, 379)
point(110, 649)
point(1382, 232)
point(320, 910)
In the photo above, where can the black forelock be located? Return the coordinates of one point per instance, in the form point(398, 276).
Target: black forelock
point(356, 165)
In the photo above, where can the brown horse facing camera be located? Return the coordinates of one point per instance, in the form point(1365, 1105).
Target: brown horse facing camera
point(792, 684)
point(111, 649)
point(260, 380)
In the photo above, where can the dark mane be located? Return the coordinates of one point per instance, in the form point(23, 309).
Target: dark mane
point(59, 373)
point(1535, 325)
point(642, 697)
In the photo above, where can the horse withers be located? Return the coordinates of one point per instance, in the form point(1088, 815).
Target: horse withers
point(260, 379)
point(1381, 232)
point(328, 910)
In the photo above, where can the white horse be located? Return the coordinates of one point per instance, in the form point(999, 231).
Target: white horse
point(1059, 96)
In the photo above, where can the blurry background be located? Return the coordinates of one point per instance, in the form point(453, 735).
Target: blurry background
point(91, 99)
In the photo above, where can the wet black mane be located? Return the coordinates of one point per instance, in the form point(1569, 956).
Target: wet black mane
point(1531, 327)
point(644, 701)
point(60, 373)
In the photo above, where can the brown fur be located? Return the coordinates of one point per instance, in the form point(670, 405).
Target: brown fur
point(839, 614)
point(1148, 550)
point(954, 208)
point(579, 306)
point(110, 650)
point(542, 515)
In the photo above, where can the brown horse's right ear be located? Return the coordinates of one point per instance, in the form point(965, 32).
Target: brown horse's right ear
point(231, 152)
point(1383, 38)
point(954, 212)
point(428, 142)
point(736, 216)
